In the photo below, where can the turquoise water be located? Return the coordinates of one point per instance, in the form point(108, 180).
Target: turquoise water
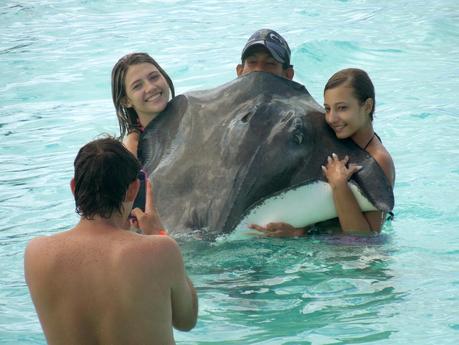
point(401, 288)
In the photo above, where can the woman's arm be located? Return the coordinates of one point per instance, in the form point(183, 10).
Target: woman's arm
point(351, 218)
point(131, 142)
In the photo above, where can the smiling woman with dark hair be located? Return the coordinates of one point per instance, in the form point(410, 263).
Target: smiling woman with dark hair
point(349, 101)
point(141, 89)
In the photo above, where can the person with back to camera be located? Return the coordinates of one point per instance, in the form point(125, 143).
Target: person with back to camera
point(141, 89)
point(349, 101)
point(266, 51)
point(99, 283)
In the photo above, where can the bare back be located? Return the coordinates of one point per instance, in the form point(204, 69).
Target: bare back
point(104, 286)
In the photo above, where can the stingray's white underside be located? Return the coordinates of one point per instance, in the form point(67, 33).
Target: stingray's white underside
point(301, 206)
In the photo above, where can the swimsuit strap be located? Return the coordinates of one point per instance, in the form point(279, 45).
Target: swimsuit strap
point(369, 141)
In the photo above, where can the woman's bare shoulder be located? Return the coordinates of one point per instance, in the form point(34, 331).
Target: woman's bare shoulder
point(385, 161)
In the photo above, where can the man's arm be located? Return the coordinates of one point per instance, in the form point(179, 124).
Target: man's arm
point(36, 276)
point(183, 294)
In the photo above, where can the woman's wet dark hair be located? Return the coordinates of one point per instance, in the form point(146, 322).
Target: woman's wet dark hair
point(127, 117)
point(104, 169)
point(359, 81)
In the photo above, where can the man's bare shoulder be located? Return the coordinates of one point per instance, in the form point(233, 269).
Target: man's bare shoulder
point(151, 256)
point(158, 245)
point(34, 246)
point(38, 253)
point(40, 245)
point(43, 246)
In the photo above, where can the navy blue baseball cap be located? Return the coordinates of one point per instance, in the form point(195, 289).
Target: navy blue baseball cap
point(272, 41)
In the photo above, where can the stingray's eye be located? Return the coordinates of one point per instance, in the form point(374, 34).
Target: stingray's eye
point(298, 137)
point(246, 117)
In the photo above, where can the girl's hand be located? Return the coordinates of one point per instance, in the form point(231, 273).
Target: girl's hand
point(278, 230)
point(337, 171)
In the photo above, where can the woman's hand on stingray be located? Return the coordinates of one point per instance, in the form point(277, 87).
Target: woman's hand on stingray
point(337, 171)
point(278, 230)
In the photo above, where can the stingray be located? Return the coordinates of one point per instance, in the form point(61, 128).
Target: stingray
point(250, 151)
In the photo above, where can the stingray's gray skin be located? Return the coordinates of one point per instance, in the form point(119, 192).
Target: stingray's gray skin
point(212, 154)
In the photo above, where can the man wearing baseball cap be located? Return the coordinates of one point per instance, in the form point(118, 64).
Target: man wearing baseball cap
point(266, 51)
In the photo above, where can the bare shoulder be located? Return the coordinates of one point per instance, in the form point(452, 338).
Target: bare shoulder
point(36, 247)
point(47, 244)
point(36, 256)
point(165, 243)
point(163, 248)
point(384, 159)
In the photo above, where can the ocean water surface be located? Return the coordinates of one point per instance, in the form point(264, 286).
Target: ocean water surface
point(399, 288)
